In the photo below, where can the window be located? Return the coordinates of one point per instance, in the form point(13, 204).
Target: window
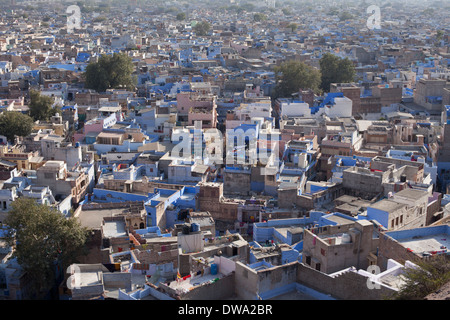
point(401, 219)
point(49, 175)
point(392, 223)
point(308, 260)
point(396, 221)
point(318, 266)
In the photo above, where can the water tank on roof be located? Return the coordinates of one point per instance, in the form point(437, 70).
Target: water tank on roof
point(195, 227)
point(214, 269)
point(186, 229)
point(77, 145)
point(346, 238)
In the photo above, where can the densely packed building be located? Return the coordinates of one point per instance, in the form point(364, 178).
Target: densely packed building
point(199, 183)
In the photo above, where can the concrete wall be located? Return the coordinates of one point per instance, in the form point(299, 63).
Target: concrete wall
point(117, 280)
point(287, 197)
point(209, 200)
point(116, 196)
point(219, 290)
point(157, 294)
point(390, 248)
point(70, 155)
point(334, 257)
point(226, 265)
point(236, 182)
point(347, 286)
point(295, 109)
point(276, 277)
point(247, 280)
point(342, 108)
point(363, 182)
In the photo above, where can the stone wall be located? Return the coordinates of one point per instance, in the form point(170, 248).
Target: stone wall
point(219, 290)
point(391, 249)
point(346, 286)
point(273, 278)
point(209, 199)
point(247, 280)
point(236, 182)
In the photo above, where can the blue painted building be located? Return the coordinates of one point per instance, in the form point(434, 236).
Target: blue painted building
point(162, 206)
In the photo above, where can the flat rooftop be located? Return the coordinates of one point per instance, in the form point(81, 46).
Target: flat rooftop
point(338, 238)
point(109, 135)
point(90, 278)
point(346, 198)
point(293, 230)
point(411, 193)
point(93, 219)
point(387, 205)
point(190, 283)
point(427, 244)
point(340, 220)
point(114, 229)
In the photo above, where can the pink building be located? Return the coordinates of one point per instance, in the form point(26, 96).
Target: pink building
point(188, 100)
point(206, 115)
point(94, 126)
point(192, 106)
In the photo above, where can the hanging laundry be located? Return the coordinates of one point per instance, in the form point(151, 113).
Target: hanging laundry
point(188, 276)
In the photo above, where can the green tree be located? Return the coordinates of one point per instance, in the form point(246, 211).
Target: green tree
point(428, 12)
point(428, 278)
point(249, 7)
point(202, 28)
point(42, 238)
point(41, 106)
point(14, 124)
point(292, 76)
point(286, 11)
point(171, 10)
point(103, 7)
point(259, 17)
point(333, 12)
point(99, 19)
point(293, 26)
point(236, 9)
point(439, 35)
point(181, 16)
point(335, 70)
point(345, 16)
point(110, 72)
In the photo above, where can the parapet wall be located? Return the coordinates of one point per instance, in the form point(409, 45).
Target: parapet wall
point(346, 286)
